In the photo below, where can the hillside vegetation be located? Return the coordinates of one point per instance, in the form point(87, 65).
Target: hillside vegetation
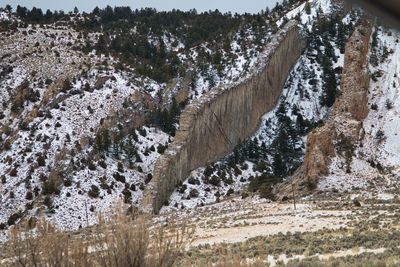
point(93, 102)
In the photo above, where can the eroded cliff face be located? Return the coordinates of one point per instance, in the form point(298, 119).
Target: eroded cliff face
point(211, 127)
point(344, 127)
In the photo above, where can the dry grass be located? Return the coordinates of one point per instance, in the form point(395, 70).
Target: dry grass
point(122, 241)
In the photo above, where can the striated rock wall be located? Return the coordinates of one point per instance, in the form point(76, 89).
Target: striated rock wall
point(211, 127)
point(345, 122)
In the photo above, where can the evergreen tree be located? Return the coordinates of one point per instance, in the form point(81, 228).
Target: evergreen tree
point(330, 84)
point(48, 16)
point(102, 140)
point(282, 142)
point(281, 112)
point(96, 11)
point(301, 125)
point(21, 12)
point(341, 36)
point(374, 43)
point(167, 118)
point(134, 135)
point(329, 50)
point(36, 15)
point(8, 9)
point(101, 45)
point(308, 8)
point(279, 167)
point(173, 117)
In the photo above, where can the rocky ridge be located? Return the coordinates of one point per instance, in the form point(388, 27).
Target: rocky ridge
point(211, 127)
point(343, 130)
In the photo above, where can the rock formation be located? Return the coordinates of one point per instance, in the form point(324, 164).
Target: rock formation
point(211, 127)
point(343, 129)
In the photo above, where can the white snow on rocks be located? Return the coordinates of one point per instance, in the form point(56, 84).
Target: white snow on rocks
point(306, 19)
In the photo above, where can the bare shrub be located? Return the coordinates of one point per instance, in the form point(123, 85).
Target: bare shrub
point(121, 241)
point(127, 242)
point(47, 247)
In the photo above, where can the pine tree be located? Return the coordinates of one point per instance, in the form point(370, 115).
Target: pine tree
point(281, 112)
point(308, 8)
point(36, 14)
point(49, 15)
point(279, 167)
point(329, 51)
point(174, 111)
point(330, 84)
point(134, 135)
point(101, 46)
point(96, 11)
point(374, 43)
point(341, 36)
point(102, 140)
point(21, 11)
point(282, 140)
point(301, 125)
point(8, 8)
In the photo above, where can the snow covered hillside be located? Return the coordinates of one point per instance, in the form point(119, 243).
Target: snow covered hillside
point(302, 107)
point(56, 103)
point(375, 164)
point(86, 113)
point(111, 112)
point(88, 109)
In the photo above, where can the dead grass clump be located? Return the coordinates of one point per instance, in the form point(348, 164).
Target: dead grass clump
point(43, 247)
point(121, 241)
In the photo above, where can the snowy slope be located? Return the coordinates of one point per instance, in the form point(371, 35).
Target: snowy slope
point(51, 134)
point(376, 163)
point(74, 205)
point(324, 6)
point(57, 128)
point(61, 127)
point(300, 96)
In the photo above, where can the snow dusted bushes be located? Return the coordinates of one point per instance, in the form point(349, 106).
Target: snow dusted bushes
point(48, 202)
point(23, 93)
point(52, 183)
point(263, 185)
point(14, 218)
point(49, 187)
point(389, 104)
point(194, 193)
point(94, 192)
point(13, 172)
point(380, 136)
point(41, 161)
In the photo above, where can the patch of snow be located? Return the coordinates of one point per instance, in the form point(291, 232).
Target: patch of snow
point(4, 16)
point(307, 19)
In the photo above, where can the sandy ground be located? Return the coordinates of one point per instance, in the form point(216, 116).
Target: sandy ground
point(238, 220)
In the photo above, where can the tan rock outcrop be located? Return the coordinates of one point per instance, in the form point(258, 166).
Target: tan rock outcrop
point(319, 148)
point(355, 76)
point(211, 127)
